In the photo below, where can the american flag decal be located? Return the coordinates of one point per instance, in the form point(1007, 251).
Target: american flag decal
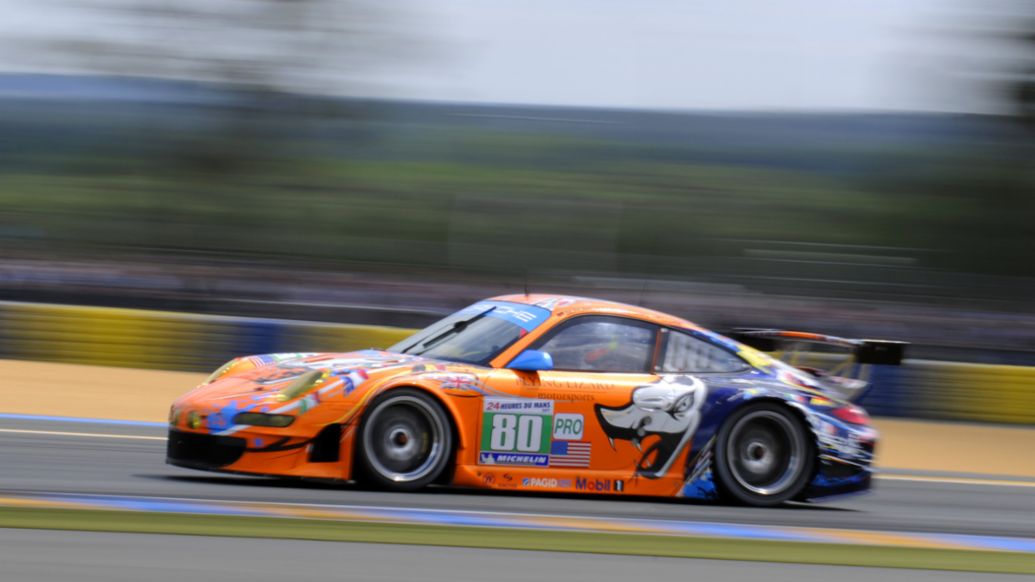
point(570, 454)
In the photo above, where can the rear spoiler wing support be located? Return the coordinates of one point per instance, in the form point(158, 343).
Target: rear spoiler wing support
point(864, 352)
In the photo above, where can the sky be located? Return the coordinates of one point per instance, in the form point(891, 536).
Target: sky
point(670, 54)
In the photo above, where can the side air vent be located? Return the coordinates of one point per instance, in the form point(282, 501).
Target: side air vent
point(326, 445)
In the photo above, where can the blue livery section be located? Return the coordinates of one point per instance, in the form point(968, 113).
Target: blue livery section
point(527, 317)
point(845, 452)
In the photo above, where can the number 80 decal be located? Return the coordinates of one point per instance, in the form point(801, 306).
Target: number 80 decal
point(518, 426)
point(511, 432)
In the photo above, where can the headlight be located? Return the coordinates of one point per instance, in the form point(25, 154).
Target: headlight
point(261, 419)
point(222, 370)
point(174, 416)
point(301, 385)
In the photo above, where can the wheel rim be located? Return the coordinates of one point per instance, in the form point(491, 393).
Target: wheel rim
point(765, 452)
point(403, 439)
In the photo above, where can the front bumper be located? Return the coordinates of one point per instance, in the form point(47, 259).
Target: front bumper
point(203, 451)
point(324, 456)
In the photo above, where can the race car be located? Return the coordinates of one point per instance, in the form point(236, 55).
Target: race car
point(544, 393)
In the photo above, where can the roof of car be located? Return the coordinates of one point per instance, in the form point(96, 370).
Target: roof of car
point(563, 305)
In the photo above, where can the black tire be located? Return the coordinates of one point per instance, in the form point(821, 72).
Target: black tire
point(405, 441)
point(764, 456)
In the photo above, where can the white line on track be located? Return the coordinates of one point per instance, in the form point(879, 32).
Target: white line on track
point(82, 434)
point(957, 480)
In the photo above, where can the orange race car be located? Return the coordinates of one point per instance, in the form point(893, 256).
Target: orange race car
point(543, 393)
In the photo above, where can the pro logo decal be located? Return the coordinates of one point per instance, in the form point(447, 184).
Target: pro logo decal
point(568, 427)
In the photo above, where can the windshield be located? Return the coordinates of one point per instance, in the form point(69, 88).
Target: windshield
point(475, 334)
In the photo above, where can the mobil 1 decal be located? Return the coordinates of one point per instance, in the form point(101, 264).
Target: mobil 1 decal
point(516, 432)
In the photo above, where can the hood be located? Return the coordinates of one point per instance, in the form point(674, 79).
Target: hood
point(294, 383)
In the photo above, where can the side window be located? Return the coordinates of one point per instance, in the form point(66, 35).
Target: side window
point(685, 353)
point(602, 344)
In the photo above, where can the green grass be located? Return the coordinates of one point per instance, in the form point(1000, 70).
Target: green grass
point(474, 537)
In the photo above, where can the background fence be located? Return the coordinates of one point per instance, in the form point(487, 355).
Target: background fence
point(165, 340)
point(175, 341)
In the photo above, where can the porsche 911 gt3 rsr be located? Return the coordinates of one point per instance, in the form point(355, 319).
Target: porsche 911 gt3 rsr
point(543, 393)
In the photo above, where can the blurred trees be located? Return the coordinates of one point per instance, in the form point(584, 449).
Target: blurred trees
point(878, 205)
point(1022, 83)
point(974, 200)
point(252, 165)
point(271, 60)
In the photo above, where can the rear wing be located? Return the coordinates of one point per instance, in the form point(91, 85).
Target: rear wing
point(840, 363)
point(865, 351)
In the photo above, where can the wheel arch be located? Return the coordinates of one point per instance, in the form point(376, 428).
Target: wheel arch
point(796, 409)
point(452, 415)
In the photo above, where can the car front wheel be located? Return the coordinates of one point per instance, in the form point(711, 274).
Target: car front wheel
point(405, 441)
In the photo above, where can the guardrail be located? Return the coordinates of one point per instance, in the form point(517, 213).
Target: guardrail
point(174, 341)
point(954, 391)
point(164, 340)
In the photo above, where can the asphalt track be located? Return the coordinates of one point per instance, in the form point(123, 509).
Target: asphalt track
point(38, 556)
point(127, 459)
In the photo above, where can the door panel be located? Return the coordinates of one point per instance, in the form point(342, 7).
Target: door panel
point(563, 407)
point(601, 421)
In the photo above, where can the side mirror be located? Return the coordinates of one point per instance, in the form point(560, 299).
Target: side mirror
point(532, 361)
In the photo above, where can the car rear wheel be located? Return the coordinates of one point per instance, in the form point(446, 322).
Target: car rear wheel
point(764, 456)
point(405, 441)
